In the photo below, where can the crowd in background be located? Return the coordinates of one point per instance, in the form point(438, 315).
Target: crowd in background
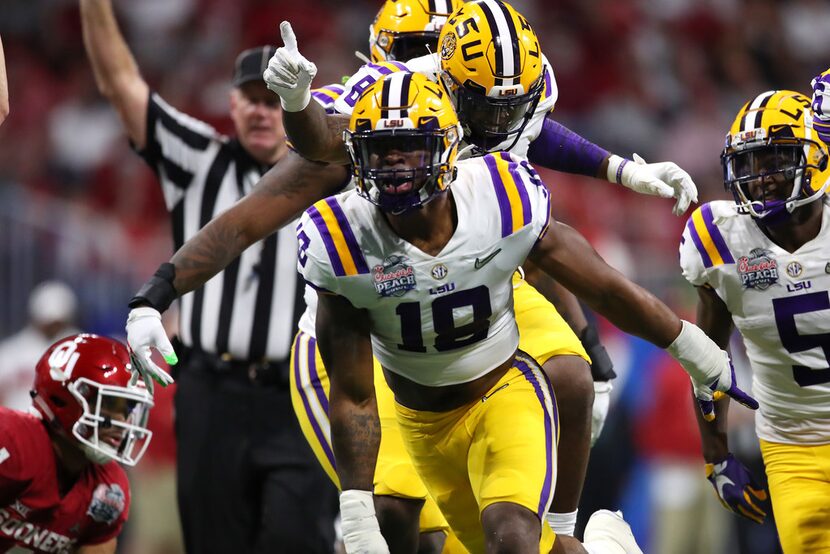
point(662, 78)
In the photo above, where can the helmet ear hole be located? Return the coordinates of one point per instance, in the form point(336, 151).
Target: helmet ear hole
point(822, 165)
point(57, 401)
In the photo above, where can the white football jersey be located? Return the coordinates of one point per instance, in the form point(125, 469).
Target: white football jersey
point(430, 66)
point(780, 303)
point(436, 320)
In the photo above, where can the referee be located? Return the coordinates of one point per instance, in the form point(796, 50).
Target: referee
point(247, 480)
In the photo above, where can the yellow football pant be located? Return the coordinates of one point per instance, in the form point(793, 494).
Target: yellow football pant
point(799, 486)
point(500, 448)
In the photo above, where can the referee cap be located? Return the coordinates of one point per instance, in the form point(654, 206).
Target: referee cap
point(251, 63)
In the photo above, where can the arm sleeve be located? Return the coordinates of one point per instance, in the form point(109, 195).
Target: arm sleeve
point(315, 252)
point(559, 148)
point(177, 146)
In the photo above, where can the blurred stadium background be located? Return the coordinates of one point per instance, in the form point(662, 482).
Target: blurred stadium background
point(662, 78)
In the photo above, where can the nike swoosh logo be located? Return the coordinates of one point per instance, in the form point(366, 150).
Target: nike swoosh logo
point(721, 481)
point(486, 396)
point(481, 262)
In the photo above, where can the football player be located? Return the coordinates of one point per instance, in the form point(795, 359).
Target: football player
point(760, 263)
point(61, 488)
point(510, 114)
point(420, 274)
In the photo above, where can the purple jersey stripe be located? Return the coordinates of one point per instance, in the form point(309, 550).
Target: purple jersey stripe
point(322, 98)
point(338, 89)
point(550, 428)
point(383, 70)
point(704, 255)
point(351, 241)
point(318, 431)
point(547, 82)
point(521, 187)
point(318, 220)
point(714, 232)
point(501, 195)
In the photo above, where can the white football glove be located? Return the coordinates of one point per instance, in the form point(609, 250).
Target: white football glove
point(663, 179)
point(602, 400)
point(289, 74)
point(361, 531)
point(709, 368)
point(145, 331)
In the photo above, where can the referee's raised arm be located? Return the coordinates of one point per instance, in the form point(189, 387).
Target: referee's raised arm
point(4, 87)
point(115, 69)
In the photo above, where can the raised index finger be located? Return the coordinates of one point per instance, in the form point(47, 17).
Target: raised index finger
point(288, 37)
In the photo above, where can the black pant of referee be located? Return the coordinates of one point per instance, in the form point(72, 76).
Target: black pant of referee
point(237, 431)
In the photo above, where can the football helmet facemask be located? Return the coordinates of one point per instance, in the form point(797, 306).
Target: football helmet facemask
point(83, 389)
point(492, 65)
point(773, 161)
point(406, 29)
point(403, 139)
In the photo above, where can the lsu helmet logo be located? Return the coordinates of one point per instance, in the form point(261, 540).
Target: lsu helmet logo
point(448, 45)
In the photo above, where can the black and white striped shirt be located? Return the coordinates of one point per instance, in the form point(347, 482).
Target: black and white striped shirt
point(249, 310)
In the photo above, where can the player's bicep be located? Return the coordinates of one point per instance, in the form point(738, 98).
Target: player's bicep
point(564, 254)
point(344, 340)
point(713, 316)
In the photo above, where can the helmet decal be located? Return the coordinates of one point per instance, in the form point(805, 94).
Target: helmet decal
point(492, 66)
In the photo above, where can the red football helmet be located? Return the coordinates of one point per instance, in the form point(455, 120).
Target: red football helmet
point(83, 389)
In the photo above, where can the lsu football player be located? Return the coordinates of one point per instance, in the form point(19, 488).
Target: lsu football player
point(512, 115)
point(760, 263)
point(420, 274)
point(403, 28)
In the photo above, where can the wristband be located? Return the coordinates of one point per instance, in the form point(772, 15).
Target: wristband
point(602, 368)
point(616, 166)
point(158, 292)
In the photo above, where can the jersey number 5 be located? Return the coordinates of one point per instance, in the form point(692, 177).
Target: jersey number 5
point(785, 311)
point(448, 336)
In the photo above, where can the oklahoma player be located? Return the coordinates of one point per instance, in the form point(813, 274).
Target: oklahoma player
point(61, 489)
